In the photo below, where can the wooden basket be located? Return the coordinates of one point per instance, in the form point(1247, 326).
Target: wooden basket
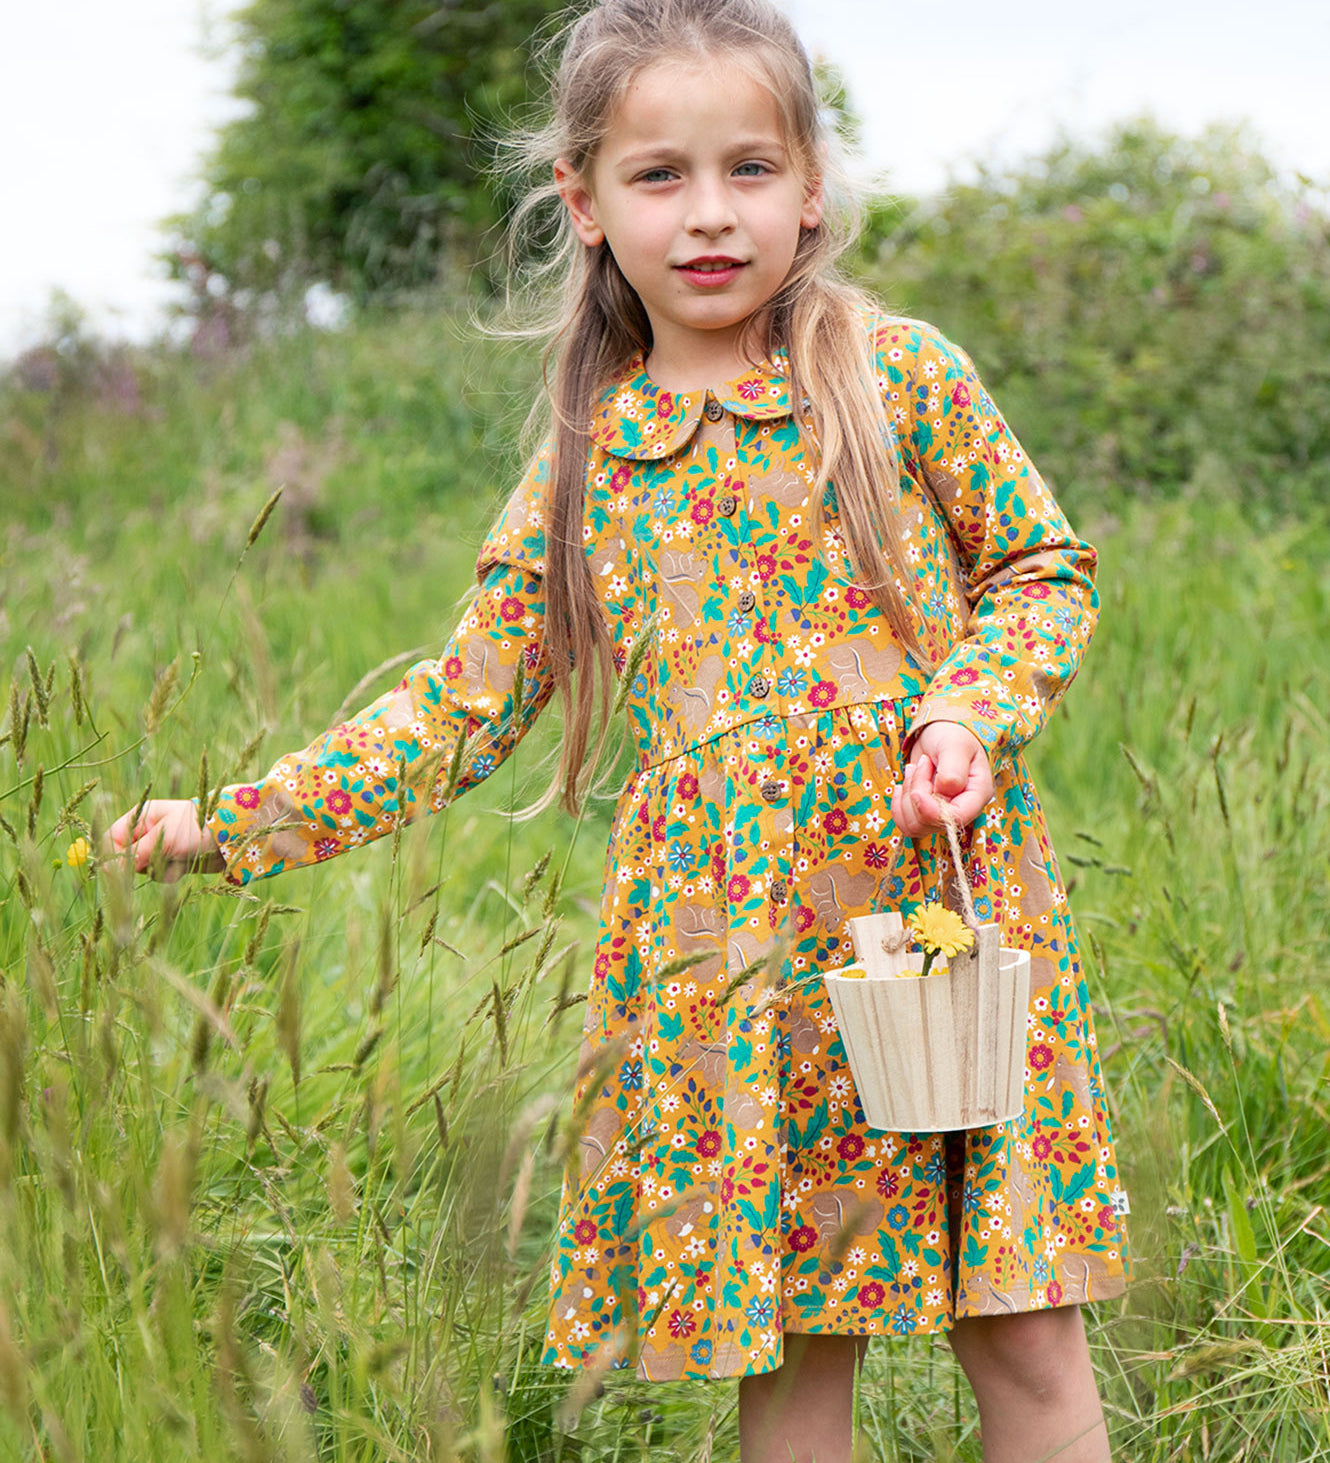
point(934, 1053)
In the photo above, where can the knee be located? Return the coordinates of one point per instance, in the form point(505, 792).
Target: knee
point(1034, 1354)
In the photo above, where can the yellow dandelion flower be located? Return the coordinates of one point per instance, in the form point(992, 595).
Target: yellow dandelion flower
point(76, 855)
point(852, 972)
point(940, 931)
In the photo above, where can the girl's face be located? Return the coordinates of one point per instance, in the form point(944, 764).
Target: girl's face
point(701, 204)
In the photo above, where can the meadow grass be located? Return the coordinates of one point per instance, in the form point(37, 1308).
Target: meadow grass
point(278, 1170)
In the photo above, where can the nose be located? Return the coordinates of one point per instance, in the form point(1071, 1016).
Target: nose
point(710, 208)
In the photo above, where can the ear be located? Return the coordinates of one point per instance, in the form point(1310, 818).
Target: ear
point(579, 203)
point(811, 215)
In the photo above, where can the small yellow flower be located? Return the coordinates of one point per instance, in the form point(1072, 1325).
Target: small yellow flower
point(76, 855)
point(852, 972)
point(940, 931)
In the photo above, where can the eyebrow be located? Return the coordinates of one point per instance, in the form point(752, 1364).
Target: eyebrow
point(668, 152)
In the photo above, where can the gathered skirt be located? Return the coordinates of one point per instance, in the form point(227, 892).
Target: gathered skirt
point(723, 1187)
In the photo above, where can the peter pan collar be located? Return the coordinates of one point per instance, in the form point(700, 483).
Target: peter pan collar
point(635, 418)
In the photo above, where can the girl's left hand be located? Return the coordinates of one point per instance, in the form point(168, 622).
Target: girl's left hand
point(947, 762)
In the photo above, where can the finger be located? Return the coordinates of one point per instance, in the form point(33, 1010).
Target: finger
point(144, 846)
point(118, 833)
point(967, 805)
point(902, 814)
point(906, 804)
point(922, 793)
point(953, 769)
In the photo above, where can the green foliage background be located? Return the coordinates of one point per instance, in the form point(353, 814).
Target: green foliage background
point(361, 161)
point(1154, 310)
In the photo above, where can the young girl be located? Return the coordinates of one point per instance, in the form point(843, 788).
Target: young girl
point(861, 602)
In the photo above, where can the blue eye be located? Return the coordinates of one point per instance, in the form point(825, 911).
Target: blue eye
point(657, 175)
point(751, 170)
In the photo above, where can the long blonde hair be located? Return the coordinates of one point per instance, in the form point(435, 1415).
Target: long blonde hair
point(596, 324)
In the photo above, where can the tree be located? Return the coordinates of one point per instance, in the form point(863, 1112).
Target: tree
point(362, 159)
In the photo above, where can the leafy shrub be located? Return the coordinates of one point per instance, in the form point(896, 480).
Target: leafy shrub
point(1150, 312)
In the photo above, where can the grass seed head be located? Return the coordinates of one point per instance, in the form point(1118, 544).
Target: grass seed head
point(162, 687)
point(77, 694)
point(39, 688)
point(341, 1186)
point(264, 514)
point(13, 1372)
point(20, 709)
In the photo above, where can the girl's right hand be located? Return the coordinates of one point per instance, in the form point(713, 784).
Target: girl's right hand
point(174, 823)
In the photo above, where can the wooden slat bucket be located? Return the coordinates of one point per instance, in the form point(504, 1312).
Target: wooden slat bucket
point(934, 1053)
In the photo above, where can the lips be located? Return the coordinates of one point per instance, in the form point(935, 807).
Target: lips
point(710, 270)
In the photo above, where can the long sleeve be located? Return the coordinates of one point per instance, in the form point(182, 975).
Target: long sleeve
point(1028, 580)
point(347, 787)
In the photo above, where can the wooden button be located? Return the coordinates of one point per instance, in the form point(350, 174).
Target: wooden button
point(771, 790)
point(726, 505)
point(713, 411)
point(759, 686)
point(746, 601)
point(779, 889)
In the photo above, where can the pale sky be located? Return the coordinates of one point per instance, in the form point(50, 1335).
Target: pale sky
point(105, 109)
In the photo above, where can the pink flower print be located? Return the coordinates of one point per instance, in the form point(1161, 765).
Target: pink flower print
point(737, 889)
point(1107, 1219)
point(620, 478)
point(1041, 1057)
point(823, 693)
point(1037, 591)
point(803, 1239)
point(888, 1184)
point(339, 802)
point(708, 1145)
point(664, 404)
point(325, 848)
point(960, 395)
point(1054, 1293)
point(803, 918)
point(701, 512)
point(682, 1324)
point(511, 608)
point(750, 389)
point(983, 708)
point(877, 855)
point(766, 565)
point(856, 598)
point(452, 667)
point(602, 965)
point(247, 797)
point(850, 1147)
point(1041, 1147)
point(584, 1232)
point(871, 1296)
point(836, 821)
point(966, 676)
point(687, 785)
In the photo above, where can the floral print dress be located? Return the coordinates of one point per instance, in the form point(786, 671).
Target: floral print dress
point(727, 1189)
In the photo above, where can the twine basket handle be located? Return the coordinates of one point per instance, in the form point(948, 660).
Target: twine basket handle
point(953, 838)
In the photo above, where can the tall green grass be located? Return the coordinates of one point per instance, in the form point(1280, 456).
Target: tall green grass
point(278, 1170)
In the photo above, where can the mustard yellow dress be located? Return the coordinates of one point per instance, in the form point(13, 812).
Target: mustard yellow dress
point(727, 1188)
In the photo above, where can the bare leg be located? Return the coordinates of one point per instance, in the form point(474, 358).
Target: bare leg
point(803, 1412)
point(1035, 1386)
